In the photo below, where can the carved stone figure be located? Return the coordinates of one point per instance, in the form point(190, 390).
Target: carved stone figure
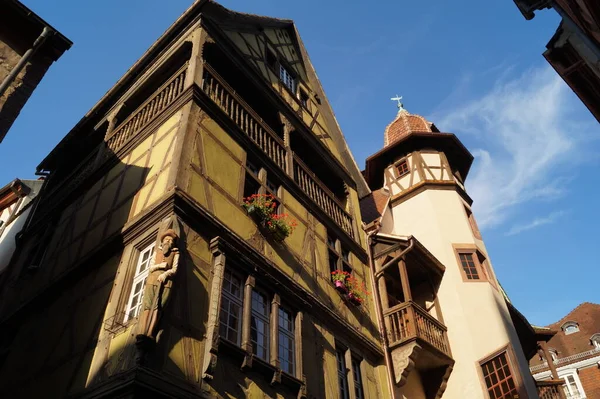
point(157, 291)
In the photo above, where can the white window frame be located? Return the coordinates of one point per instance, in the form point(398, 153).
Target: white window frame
point(142, 269)
point(287, 78)
point(567, 386)
point(569, 324)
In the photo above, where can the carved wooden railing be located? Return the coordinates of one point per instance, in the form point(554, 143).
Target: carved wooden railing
point(321, 195)
point(160, 100)
point(271, 144)
point(408, 320)
point(550, 389)
point(145, 113)
point(244, 116)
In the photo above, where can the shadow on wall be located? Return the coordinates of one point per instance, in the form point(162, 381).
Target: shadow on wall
point(61, 304)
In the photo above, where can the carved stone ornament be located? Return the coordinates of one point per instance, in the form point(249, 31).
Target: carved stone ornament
point(403, 360)
point(159, 283)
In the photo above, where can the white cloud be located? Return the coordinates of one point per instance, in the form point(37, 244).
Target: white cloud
point(540, 221)
point(526, 139)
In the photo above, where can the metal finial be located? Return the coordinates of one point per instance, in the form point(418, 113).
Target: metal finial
point(399, 99)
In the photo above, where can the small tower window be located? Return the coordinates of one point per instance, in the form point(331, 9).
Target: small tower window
point(402, 168)
point(570, 327)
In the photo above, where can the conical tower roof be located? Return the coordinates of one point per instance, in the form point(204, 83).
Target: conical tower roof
point(404, 125)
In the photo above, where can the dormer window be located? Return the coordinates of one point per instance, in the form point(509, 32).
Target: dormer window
point(570, 327)
point(595, 341)
point(553, 354)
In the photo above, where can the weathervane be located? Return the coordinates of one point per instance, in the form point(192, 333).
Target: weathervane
point(399, 99)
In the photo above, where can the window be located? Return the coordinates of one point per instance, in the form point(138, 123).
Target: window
point(595, 341)
point(286, 78)
point(286, 341)
point(570, 327)
point(498, 377)
point(473, 223)
point(342, 373)
point(142, 268)
point(258, 181)
point(358, 384)
point(553, 354)
point(467, 260)
point(266, 322)
point(231, 308)
point(304, 99)
point(572, 387)
point(473, 265)
point(259, 325)
point(402, 168)
point(339, 257)
point(271, 60)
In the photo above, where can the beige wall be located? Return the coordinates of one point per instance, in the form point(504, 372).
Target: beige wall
point(475, 312)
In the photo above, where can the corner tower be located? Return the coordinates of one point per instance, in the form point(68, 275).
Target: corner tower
point(447, 325)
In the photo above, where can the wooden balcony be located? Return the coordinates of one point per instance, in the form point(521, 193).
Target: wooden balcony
point(261, 134)
point(408, 322)
point(550, 389)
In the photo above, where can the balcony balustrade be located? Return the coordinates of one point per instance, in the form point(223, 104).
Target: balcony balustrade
point(550, 389)
point(408, 321)
point(160, 100)
point(253, 126)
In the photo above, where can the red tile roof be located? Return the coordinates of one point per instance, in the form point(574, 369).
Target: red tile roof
point(405, 124)
point(373, 205)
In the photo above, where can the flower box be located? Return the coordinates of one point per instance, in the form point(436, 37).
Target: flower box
point(262, 208)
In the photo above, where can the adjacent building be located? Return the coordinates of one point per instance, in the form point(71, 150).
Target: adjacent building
point(574, 353)
point(205, 232)
point(28, 46)
point(16, 203)
point(574, 50)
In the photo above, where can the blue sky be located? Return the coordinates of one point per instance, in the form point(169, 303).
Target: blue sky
point(472, 67)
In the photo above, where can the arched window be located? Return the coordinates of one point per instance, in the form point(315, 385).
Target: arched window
point(570, 327)
point(595, 340)
point(553, 354)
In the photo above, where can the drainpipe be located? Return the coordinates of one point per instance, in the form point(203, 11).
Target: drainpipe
point(379, 312)
point(396, 259)
point(25, 58)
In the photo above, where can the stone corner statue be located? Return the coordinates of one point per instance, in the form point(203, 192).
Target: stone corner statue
point(157, 290)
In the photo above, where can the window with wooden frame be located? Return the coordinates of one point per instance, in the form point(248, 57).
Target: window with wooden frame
point(402, 167)
point(342, 372)
point(473, 223)
point(142, 268)
point(359, 392)
point(499, 376)
point(286, 338)
point(231, 308)
point(259, 324)
point(258, 181)
point(339, 257)
point(474, 267)
point(348, 362)
point(304, 100)
point(266, 329)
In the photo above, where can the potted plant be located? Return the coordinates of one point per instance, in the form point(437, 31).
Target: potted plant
point(281, 226)
point(260, 206)
point(339, 280)
point(357, 292)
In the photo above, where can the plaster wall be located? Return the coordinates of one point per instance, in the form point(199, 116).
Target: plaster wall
point(475, 312)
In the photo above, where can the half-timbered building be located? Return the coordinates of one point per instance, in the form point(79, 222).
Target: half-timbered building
point(142, 273)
